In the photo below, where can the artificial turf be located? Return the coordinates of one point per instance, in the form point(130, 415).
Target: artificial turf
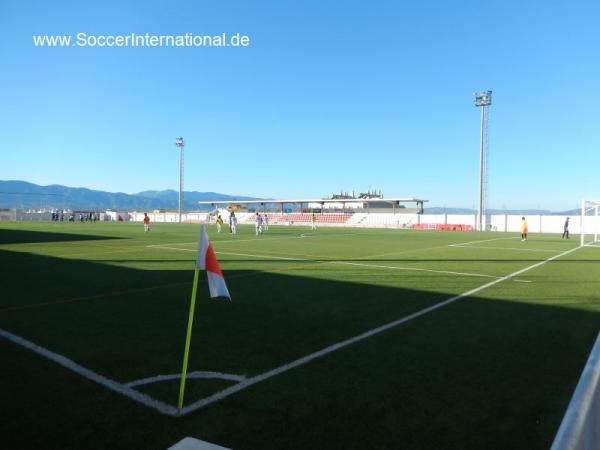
point(495, 369)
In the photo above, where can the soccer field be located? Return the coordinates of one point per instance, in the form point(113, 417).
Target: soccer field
point(335, 338)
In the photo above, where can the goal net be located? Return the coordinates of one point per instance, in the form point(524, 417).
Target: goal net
point(590, 222)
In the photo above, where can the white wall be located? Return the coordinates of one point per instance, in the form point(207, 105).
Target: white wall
point(498, 222)
point(505, 222)
point(114, 215)
point(381, 220)
point(460, 219)
point(169, 217)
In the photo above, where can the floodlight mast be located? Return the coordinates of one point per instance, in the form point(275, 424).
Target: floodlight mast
point(483, 100)
point(180, 144)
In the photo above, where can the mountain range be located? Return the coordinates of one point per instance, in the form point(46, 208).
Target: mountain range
point(21, 194)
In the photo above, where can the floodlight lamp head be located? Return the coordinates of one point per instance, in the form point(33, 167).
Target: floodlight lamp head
point(483, 98)
point(179, 142)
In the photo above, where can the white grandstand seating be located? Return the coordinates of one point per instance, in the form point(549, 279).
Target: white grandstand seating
point(298, 218)
point(382, 220)
point(367, 220)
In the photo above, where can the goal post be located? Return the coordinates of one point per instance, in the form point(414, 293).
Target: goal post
point(590, 222)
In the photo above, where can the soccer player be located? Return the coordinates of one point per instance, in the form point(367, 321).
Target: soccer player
point(233, 223)
point(266, 222)
point(313, 222)
point(219, 223)
point(523, 229)
point(258, 224)
point(146, 223)
point(566, 229)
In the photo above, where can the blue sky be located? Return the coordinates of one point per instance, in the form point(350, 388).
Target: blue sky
point(328, 96)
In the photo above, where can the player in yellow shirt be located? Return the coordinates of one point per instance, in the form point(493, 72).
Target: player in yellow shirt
point(523, 229)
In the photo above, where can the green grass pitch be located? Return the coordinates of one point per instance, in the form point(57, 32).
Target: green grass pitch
point(492, 369)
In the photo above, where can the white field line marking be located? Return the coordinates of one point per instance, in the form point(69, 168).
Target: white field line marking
point(270, 257)
point(247, 254)
point(325, 261)
point(417, 269)
point(332, 348)
point(171, 243)
point(91, 375)
point(332, 235)
point(232, 241)
point(460, 244)
point(507, 248)
point(161, 247)
point(190, 376)
point(449, 272)
point(255, 239)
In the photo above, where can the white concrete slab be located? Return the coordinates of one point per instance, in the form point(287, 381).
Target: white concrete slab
point(190, 443)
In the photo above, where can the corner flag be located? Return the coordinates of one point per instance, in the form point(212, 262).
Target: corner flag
point(207, 260)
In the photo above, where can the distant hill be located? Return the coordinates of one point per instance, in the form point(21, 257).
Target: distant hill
point(191, 197)
point(21, 194)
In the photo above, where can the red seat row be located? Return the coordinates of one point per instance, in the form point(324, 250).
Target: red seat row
point(442, 227)
point(304, 218)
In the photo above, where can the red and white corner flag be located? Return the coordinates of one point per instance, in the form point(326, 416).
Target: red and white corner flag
point(207, 260)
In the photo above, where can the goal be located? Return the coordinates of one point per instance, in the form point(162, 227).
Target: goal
point(590, 222)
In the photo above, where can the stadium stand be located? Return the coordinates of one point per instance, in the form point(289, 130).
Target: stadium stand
point(298, 218)
point(365, 220)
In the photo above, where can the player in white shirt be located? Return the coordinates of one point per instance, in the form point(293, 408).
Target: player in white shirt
point(265, 221)
point(233, 223)
point(258, 224)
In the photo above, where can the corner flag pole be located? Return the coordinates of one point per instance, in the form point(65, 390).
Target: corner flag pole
point(188, 337)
